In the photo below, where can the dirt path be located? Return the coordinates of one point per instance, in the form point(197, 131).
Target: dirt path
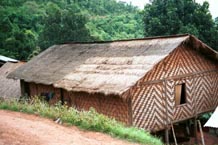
point(22, 129)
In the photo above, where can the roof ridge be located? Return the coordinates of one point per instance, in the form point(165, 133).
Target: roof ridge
point(124, 40)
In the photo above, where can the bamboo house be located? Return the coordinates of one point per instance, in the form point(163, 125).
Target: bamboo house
point(148, 83)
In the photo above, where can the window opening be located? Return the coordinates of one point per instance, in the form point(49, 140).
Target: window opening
point(180, 95)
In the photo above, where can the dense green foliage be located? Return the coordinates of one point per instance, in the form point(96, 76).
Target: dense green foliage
point(167, 17)
point(89, 120)
point(28, 27)
point(118, 27)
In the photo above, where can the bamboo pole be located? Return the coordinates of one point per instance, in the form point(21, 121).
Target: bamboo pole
point(166, 121)
point(202, 135)
point(174, 135)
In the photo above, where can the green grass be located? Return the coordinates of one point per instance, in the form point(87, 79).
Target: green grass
point(88, 120)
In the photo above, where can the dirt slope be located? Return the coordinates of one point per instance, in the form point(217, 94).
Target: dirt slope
point(22, 129)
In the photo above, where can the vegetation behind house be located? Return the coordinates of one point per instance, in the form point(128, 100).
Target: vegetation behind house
point(28, 27)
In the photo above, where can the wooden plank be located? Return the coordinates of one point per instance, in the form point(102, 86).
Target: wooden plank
point(176, 77)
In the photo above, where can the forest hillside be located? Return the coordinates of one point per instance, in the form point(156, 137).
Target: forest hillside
point(27, 27)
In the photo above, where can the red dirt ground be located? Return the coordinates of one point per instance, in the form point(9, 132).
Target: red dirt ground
point(22, 129)
point(209, 139)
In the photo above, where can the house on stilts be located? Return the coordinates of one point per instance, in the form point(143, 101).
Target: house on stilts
point(148, 83)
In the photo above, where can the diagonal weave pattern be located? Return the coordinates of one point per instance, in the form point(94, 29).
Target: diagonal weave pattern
point(201, 88)
point(149, 114)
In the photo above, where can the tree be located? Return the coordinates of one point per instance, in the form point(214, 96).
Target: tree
point(168, 17)
point(17, 39)
point(63, 26)
point(27, 27)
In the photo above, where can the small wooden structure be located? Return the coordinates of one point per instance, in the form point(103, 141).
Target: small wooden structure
point(10, 89)
point(149, 83)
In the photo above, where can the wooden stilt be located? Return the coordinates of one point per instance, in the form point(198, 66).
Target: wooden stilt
point(202, 135)
point(195, 130)
point(187, 128)
point(174, 135)
point(167, 136)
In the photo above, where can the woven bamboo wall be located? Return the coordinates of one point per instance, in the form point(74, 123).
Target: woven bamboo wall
point(207, 92)
point(181, 61)
point(153, 103)
point(112, 106)
point(37, 89)
point(148, 111)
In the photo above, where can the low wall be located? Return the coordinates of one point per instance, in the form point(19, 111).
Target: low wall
point(112, 106)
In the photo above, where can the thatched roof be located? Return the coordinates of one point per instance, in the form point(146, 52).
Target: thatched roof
point(100, 67)
point(9, 88)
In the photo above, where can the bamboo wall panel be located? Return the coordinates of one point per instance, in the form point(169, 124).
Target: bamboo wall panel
point(148, 112)
point(115, 107)
point(182, 111)
point(185, 110)
point(85, 102)
point(111, 106)
point(215, 89)
point(38, 89)
point(169, 98)
point(183, 65)
point(181, 61)
point(33, 89)
point(206, 93)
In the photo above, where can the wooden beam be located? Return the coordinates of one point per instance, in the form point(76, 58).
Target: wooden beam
point(176, 77)
point(192, 74)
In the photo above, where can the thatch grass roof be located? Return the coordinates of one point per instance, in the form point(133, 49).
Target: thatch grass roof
point(101, 67)
point(10, 88)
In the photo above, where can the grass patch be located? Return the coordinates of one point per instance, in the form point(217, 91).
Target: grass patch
point(88, 120)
